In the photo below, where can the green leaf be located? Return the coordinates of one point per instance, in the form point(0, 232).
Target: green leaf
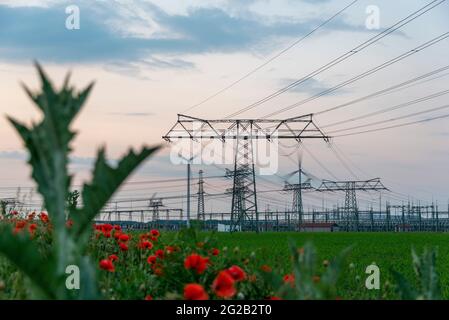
point(24, 253)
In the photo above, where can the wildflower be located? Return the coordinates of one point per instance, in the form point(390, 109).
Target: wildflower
point(113, 257)
point(265, 268)
point(44, 217)
point(155, 233)
point(69, 223)
point(148, 298)
point(289, 278)
point(223, 285)
point(145, 245)
point(32, 228)
point(200, 244)
point(152, 259)
point(124, 237)
point(107, 265)
point(236, 273)
point(274, 298)
point(169, 249)
point(159, 253)
point(107, 234)
point(215, 252)
point(107, 227)
point(123, 246)
point(196, 262)
point(194, 291)
point(157, 269)
point(153, 238)
point(117, 228)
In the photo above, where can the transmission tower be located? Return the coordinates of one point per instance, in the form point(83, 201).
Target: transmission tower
point(297, 189)
point(201, 215)
point(351, 211)
point(155, 205)
point(244, 212)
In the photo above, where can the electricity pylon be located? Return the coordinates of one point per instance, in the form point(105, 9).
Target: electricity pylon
point(200, 212)
point(244, 212)
point(297, 188)
point(351, 211)
point(155, 205)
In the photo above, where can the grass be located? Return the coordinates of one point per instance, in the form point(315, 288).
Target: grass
point(390, 251)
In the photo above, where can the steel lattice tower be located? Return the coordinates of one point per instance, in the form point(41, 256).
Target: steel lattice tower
point(351, 213)
point(201, 213)
point(351, 208)
point(244, 212)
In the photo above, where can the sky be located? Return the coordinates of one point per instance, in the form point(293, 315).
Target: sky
point(151, 60)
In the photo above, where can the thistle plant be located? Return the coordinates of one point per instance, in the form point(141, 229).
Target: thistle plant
point(49, 144)
point(428, 283)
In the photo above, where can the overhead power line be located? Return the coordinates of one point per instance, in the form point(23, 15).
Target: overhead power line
point(394, 126)
point(363, 75)
point(344, 57)
point(264, 64)
point(375, 113)
point(389, 90)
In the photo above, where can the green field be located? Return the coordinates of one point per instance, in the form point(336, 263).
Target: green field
point(388, 250)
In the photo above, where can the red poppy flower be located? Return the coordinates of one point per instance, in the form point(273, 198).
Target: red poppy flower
point(14, 213)
point(148, 298)
point(117, 227)
point(117, 235)
point(69, 223)
point(44, 217)
point(265, 268)
point(169, 249)
point(157, 269)
point(196, 262)
point(289, 278)
point(153, 238)
point(237, 273)
point(32, 228)
point(107, 227)
point(107, 265)
point(124, 237)
point(194, 291)
point(21, 224)
point(145, 245)
point(123, 246)
point(113, 257)
point(274, 298)
point(215, 252)
point(152, 259)
point(159, 253)
point(155, 233)
point(107, 234)
point(223, 285)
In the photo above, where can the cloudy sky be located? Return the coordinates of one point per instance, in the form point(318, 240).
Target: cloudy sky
point(154, 59)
